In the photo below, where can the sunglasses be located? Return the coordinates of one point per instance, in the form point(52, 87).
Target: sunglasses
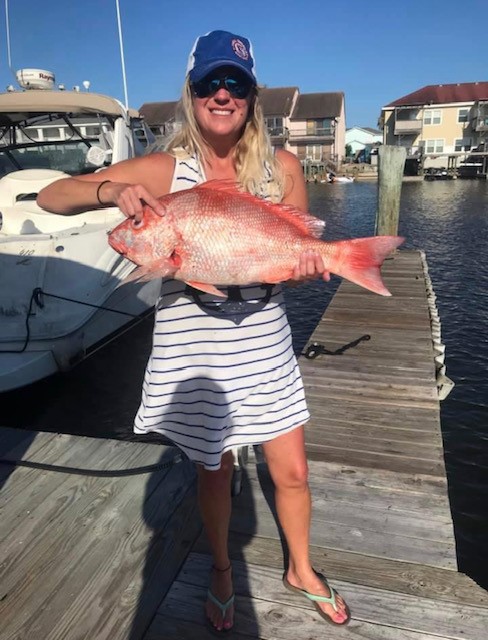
point(238, 86)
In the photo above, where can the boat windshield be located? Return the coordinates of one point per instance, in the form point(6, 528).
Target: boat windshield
point(52, 141)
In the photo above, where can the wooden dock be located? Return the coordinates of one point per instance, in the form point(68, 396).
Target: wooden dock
point(107, 558)
point(89, 555)
point(382, 528)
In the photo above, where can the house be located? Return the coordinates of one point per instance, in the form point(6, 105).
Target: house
point(161, 119)
point(278, 105)
point(318, 129)
point(310, 125)
point(359, 138)
point(438, 124)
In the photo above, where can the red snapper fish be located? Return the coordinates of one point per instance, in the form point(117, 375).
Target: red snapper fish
point(214, 234)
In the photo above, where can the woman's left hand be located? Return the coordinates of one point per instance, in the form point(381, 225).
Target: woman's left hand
point(310, 266)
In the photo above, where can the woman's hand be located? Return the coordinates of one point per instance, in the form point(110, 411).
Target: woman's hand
point(129, 198)
point(310, 266)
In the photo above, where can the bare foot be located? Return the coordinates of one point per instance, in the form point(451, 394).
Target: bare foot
point(222, 589)
point(311, 583)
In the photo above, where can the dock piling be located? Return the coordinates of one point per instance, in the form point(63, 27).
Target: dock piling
point(391, 161)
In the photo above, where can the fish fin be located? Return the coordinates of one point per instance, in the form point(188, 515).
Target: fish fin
point(359, 260)
point(228, 185)
point(303, 221)
point(151, 271)
point(207, 288)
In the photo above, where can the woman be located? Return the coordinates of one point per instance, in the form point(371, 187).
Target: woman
point(222, 375)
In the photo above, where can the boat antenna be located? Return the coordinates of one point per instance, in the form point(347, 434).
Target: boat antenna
point(121, 43)
point(7, 28)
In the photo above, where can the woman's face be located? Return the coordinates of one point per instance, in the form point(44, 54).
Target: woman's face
point(219, 109)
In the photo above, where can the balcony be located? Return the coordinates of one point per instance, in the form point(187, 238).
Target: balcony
point(315, 136)
point(480, 123)
point(278, 135)
point(407, 127)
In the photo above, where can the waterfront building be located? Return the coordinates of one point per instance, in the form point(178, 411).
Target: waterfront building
point(161, 119)
point(359, 138)
point(438, 124)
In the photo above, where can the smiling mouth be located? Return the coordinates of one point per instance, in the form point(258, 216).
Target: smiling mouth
point(221, 112)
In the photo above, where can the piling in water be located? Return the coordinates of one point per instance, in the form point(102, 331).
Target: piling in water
point(391, 162)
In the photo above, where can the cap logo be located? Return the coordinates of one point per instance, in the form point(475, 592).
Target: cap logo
point(240, 49)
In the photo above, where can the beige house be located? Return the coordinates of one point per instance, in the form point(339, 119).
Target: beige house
point(318, 128)
point(438, 124)
point(310, 125)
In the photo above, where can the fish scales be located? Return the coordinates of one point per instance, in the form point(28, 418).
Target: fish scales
point(213, 234)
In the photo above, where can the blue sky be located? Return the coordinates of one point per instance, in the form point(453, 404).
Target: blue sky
point(374, 51)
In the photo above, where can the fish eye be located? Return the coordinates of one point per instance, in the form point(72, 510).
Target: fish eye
point(137, 224)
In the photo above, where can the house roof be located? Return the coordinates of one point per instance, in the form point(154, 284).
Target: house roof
point(277, 101)
point(155, 113)
point(375, 132)
point(444, 93)
point(318, 105)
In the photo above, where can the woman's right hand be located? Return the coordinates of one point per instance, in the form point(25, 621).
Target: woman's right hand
point(129, 198)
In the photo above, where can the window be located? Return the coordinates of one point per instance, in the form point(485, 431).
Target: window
point(462, 144)
point(52, 133)
point(463, 115)
point(314, 152)
point(275, 126)
point(31, 134)
point(319, 127)
point(433, 146)
point(432, 116)
point(92, 131)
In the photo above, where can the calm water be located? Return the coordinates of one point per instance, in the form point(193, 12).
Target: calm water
point(449, 221)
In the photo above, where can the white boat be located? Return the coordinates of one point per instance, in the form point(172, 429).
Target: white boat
point(50, 263)
point(332, 178)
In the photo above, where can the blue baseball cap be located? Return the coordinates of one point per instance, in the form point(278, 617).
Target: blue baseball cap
point(218, 49)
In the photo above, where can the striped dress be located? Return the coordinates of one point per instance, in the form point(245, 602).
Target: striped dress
point(221, 374)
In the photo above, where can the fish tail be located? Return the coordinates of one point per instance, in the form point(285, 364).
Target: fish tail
point(359, 260)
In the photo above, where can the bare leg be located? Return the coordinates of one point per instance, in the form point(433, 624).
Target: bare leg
point(214, 499)
point(287, 464)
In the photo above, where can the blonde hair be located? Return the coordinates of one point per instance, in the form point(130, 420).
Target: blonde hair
point(258, 170)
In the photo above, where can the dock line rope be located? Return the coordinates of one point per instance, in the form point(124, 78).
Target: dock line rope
point(316, 349)
point(36, 297)
point(97, 473)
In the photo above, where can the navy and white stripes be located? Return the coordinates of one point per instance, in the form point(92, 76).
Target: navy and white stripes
point(213, 383)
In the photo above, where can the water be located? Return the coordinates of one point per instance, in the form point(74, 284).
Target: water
point(449, 221)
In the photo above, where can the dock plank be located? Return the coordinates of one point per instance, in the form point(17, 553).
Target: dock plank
point(267, 609)
point(97, 554)
point(373, 529)
point(381, 573)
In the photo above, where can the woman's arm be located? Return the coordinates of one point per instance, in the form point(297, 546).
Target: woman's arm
point(125, 185)
point(310, 264)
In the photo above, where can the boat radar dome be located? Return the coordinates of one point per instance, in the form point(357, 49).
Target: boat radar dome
point(35, 79)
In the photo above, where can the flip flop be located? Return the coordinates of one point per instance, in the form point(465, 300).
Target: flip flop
point(223, 606)
point(316, 599)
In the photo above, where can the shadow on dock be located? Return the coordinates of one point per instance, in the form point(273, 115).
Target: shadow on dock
point(179, 596)
point(13, 445)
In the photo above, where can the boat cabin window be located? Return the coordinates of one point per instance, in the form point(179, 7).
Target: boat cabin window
point(57, 141)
